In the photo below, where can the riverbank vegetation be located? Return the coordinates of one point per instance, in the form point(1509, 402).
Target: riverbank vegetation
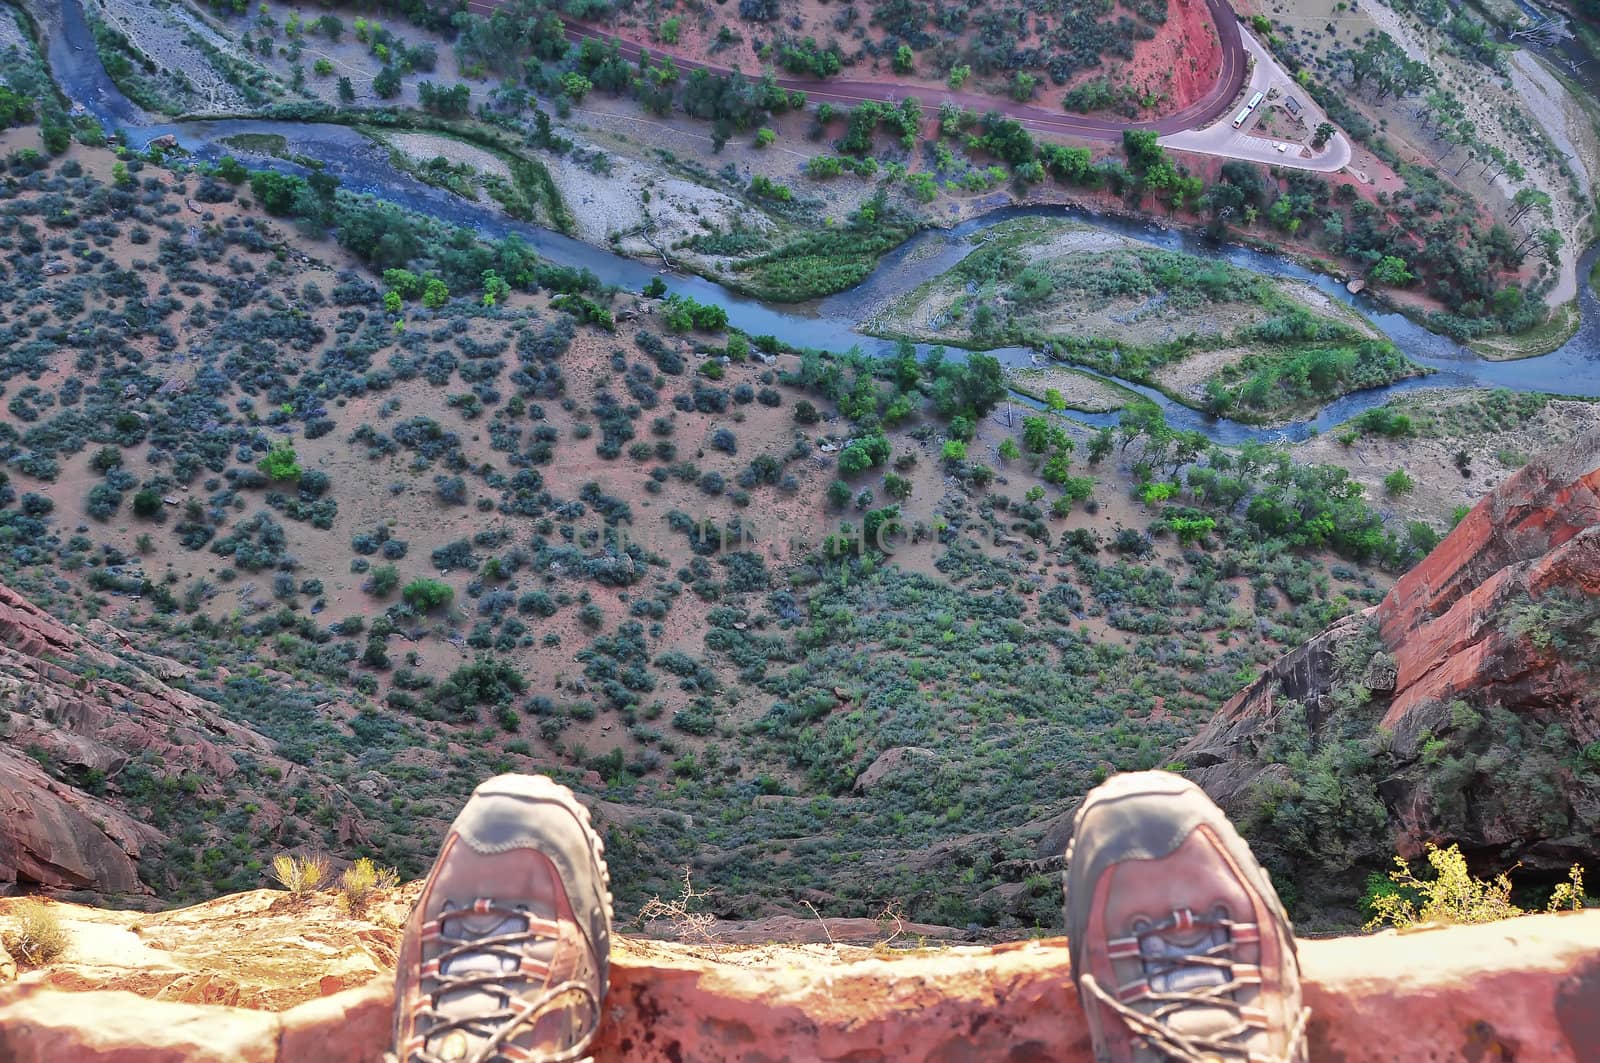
point(1218, 337)
point(828, 260)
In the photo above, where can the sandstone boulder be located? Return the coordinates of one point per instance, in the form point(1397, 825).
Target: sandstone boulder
point(894, 761)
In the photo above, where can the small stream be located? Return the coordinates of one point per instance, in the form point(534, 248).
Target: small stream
point(362, 166)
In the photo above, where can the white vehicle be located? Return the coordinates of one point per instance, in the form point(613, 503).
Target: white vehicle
point(1282, 148)
point(1244, 113)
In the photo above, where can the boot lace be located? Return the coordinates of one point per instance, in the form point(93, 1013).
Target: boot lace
point(1201, 974)
point(501, 965)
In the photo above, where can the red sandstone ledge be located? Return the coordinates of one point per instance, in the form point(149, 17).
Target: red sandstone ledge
point(1525, 989)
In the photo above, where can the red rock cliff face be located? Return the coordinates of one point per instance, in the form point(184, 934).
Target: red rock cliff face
point(61, 706)
point(1502, 617)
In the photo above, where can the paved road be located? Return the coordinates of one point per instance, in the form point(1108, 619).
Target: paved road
point(1223, 140)
point(1198, 114)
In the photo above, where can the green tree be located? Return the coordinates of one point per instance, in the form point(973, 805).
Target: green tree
point(1140, 146)
point(1392, 271)
point(387, 83)
point(1100, 446)
point(435, 294)
point(904, 59)
point(575, 85)
point(854, 459)
point(495, 288)
point(147, 503)
point(276, 192)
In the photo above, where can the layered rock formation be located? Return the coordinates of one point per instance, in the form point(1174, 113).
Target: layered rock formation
point(86, 708)
point(1521, 989)
point(1472, 685)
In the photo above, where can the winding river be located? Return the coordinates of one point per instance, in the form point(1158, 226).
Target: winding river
point(362, 166)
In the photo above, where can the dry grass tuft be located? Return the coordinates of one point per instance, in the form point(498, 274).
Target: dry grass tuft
point(360, 880)
point(37, 937)
point(299, 874)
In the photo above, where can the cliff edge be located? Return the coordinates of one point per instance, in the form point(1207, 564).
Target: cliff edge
point(263, 977)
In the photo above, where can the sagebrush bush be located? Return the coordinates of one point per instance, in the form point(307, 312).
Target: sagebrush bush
point(36, 937)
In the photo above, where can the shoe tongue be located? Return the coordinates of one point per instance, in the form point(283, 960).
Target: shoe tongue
point(1198, 1019)
point(473, 1000)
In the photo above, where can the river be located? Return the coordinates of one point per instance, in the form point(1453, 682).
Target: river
point(361, 166)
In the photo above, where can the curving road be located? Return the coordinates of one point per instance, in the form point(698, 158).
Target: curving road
point(1202, 112)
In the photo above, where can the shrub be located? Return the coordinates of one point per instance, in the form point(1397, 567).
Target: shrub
point(280, 463)
point(385, 578)
point(299, 874)
point(104, 501)
point(1398, 483)
point(147, 503)
point(425, 595)
point(359, 881)
point(451, 490)
point(1453, 895)
point(37, 936)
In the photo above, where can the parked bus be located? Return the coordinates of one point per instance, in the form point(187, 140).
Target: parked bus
point(1244, 113)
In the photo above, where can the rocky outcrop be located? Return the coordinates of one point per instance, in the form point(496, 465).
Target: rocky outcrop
point(1527, 988)
point(85, 708)
point(1478, 677)
point(897, 760)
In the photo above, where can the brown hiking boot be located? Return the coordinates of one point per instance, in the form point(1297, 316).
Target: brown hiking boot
point(505, 956)
point(1179, 944)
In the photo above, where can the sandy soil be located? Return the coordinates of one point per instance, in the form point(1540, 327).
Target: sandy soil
point(640, 210)
point(1566, 123)
point(1080, 390)
point(1187, 379)
point(939, 309)
point(421, 147)
point(349, 56)
point(169, 34)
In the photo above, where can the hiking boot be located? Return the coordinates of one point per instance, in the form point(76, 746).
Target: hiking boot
point(506, 955)
point(1180, 947)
